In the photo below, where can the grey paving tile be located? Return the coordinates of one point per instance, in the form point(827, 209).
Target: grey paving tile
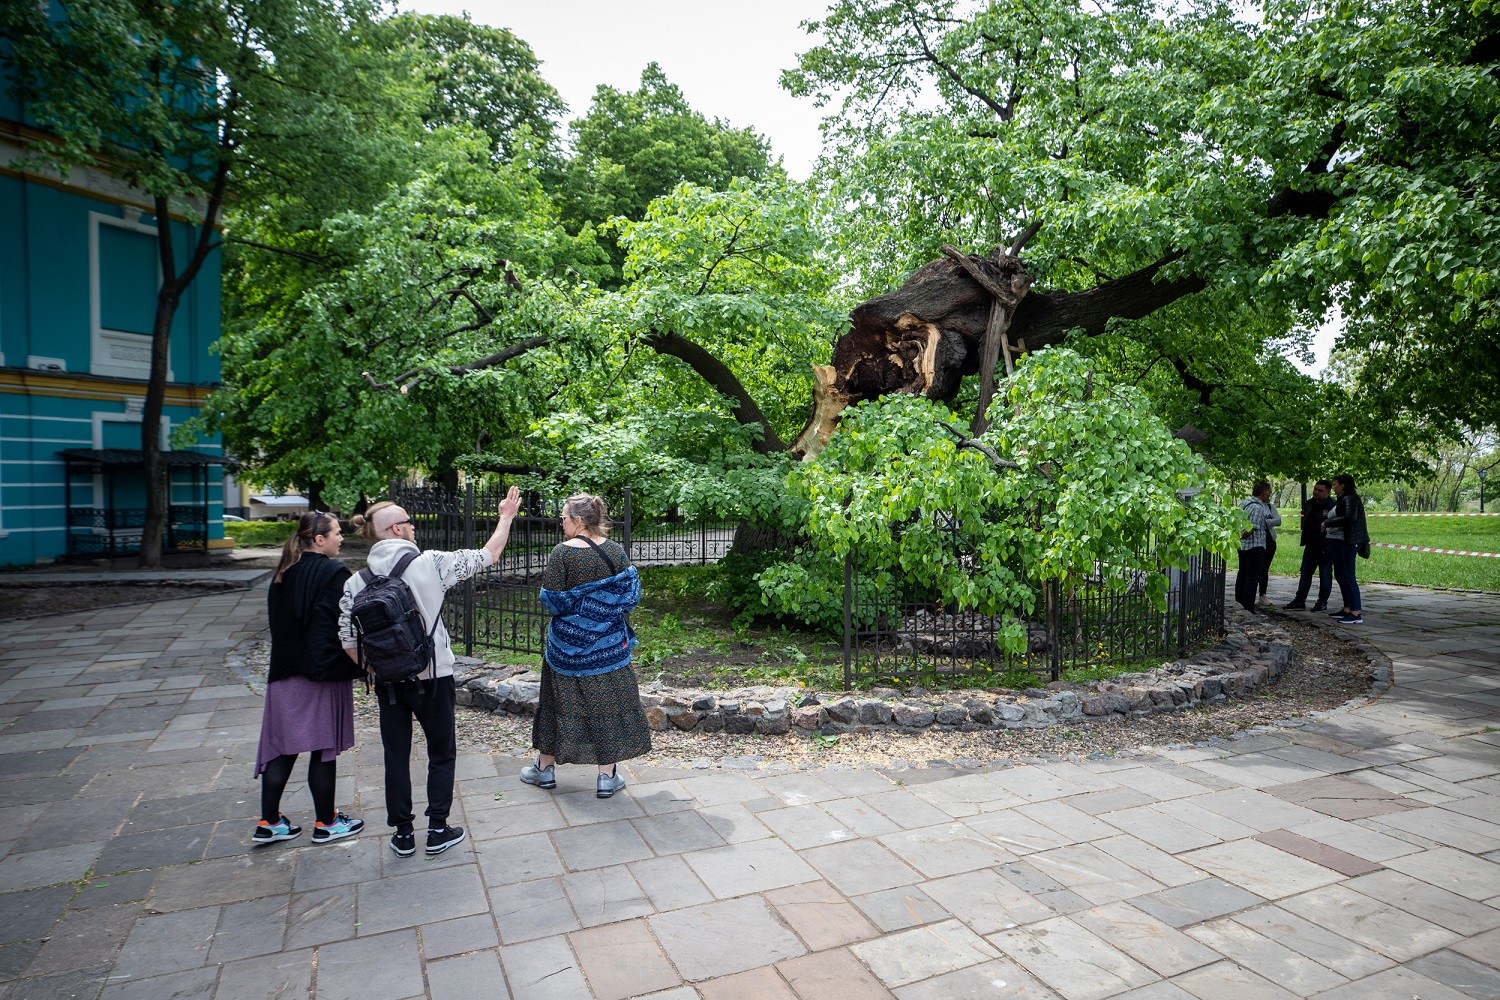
point(1148, 860)
point(518, 859)
point(527, 911)
point(420, 898)
point(247, 929)
point(1001, 977)
point(378, 967)
point(804, 826)
point(1444, 908)
point(1194, 902)
point(1092, 873)
point(31, 914)
point(1015, 831)
point(1072, 826)
point(224, 880)
point(764, 983)
point(1460, 972)
point(735, 823)
point(49, 866)
point(458, 936)
point(321, 916)
point(195, 984)
point(669, 883)
point(1152, 825)
point(943, 850)
point(342, 862)
point(1260, 868)
point(800, 789)
point(1269, 958)
point(719, 939)
point(985, 901)
point(170, 943)
point(836, 971)
point(1442, 826)
point(906, 810)
point(82, 939)
point(1160, 948)
point(286, 974)
point(466, 977)
point(601, 844)
point(896, 909)
point(1069, 959)
point(605, 895)
point(1395, 984)
point(1340, 954)
point(923, 952)
point(543, 969)
point(859, 818)
point(1225, 979)
point(1454, 870)
point(751, 867)
point(181, 845)
point(1377, 925)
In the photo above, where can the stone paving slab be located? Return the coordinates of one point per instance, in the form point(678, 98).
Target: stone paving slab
point(1354, 856)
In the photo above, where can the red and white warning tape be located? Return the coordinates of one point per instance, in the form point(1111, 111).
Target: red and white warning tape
point(1446, 552)
point(1436, 513)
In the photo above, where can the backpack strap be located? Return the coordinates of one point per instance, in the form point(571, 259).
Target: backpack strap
point(613, 569)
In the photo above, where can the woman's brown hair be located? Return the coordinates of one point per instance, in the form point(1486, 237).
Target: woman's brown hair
point(309, 527)
point(590, 512)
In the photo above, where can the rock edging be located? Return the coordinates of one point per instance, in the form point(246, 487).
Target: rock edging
point(1253, 653)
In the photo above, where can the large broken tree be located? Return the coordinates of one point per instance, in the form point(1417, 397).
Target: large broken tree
point(958, 316)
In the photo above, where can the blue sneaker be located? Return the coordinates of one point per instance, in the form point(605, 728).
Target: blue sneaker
point(269, 833)
point(341, 827)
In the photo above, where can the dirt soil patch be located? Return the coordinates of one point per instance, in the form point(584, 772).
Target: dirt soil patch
point(32, 600)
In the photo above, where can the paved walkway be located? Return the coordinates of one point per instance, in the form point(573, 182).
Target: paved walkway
point(1354, 857)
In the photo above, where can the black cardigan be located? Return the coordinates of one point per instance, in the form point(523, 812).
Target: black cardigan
point(304, 613)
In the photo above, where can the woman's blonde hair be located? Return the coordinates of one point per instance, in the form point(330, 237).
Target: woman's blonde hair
point(365, 523)
point(590, 511)
point(309, 527)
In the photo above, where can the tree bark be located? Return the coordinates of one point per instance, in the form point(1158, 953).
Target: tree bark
point(717, 374)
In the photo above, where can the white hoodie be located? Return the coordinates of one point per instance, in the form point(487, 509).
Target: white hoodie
point(429, 576)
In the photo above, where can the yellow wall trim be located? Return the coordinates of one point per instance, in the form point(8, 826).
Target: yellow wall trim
point(22, 381)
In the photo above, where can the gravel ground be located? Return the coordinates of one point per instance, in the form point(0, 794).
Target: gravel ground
point(30, 601)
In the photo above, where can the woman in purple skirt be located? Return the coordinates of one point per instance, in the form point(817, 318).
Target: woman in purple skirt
point(310, 691)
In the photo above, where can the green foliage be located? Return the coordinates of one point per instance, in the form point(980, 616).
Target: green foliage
point(250, 534)
point(1298, 158)
point(635, 146)
point(476, 77)
point(1089, 485)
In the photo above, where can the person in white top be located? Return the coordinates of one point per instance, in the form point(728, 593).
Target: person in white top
point(430, 700)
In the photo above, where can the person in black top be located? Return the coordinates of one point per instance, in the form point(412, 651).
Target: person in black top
point(1346, 533)
point(1316, 556)
point(309, 691)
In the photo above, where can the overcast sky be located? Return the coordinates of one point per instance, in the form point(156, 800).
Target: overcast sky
point(725, 57)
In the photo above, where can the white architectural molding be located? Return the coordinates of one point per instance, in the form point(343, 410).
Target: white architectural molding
point(120, 353)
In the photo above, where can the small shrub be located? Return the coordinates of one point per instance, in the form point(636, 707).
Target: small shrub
point(256, 533)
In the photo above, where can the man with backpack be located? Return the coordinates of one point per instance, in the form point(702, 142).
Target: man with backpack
point(396, 631)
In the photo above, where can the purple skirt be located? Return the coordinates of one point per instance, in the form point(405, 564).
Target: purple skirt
point(303, 716)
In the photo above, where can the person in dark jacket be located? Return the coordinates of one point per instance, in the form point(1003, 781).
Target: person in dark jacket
point(309, 691)
point(1316, 556)
point(1346, 533)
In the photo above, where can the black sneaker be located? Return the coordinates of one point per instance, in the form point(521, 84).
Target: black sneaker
point(1294, 606)
point(404, 844)
point(439, 841)
point(1320, 607)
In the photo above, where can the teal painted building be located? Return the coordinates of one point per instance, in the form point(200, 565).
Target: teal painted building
point(78, 283)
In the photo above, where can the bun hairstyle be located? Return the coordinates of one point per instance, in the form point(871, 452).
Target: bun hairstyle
point(365, 523)
point(590, 512)
point(309, 527)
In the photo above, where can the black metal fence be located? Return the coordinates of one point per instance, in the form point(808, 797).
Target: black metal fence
point(500, 608)
point(905, 635)
point(917, 635)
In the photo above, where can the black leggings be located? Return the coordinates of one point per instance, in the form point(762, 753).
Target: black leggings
point(322, 778)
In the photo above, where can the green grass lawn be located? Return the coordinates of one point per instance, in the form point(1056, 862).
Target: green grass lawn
point(1418, 569)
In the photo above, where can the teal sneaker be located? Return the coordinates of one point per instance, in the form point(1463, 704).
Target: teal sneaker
point(269, 833)
point(341, 827)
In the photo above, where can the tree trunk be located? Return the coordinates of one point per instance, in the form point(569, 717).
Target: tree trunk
point(158, 497)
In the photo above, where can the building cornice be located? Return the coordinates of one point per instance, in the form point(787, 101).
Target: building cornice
point(24, 381)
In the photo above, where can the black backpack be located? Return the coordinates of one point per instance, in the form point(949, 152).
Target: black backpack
point(392, 641)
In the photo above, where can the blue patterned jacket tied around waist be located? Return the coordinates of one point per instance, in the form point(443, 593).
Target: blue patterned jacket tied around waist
point(588, 634)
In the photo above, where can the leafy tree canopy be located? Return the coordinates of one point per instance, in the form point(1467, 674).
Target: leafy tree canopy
point(1308, 156)
point(634, 146)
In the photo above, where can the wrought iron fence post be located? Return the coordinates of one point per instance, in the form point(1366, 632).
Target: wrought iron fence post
point(848, 620)
point(1184, 588)
point(468, 543)
point(1054, 629)
point(702, 542)
point(627, 522)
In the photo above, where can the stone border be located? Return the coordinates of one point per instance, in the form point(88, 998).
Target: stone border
point(1254, 652)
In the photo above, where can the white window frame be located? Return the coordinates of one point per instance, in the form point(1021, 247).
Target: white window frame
point(120, 353)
